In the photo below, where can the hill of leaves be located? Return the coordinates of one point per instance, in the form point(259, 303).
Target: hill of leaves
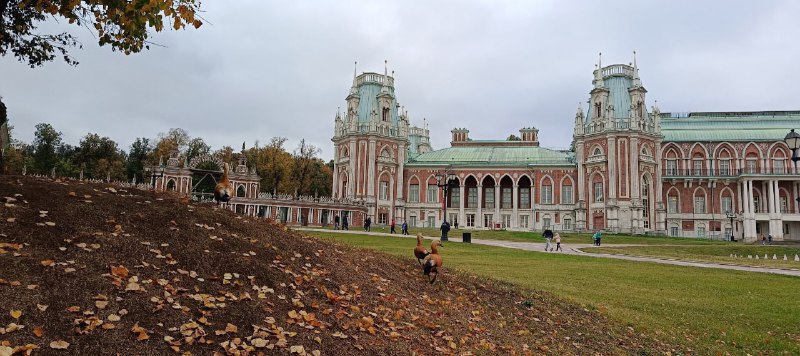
point(95, 269)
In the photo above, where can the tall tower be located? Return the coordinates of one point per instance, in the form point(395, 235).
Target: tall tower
point(370, 146)
point(617, 145)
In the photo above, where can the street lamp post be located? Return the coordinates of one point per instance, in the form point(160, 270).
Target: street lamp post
point(792, 140)
point(444, 180)
point(731, 215)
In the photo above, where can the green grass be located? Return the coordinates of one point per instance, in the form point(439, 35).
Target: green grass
point(566, 237)
point(707, 309)
point(716, 254)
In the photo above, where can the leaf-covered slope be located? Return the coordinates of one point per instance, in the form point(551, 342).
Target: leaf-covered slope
point(91, 269)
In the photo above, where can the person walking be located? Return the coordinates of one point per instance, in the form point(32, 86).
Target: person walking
point(548, 235)
point(391, 227)
point(367, 224)
point(597, 236)
point(345, 226)
point(558, 242)
point(404, 228)
point(336, 222)
point(769, 239)
point(763, 239)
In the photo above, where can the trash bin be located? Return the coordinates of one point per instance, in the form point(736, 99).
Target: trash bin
point(467, 237)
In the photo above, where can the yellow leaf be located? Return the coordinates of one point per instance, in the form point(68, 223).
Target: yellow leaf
point(101, 304)
point(16, 314)
point(47, 263)
point(59, 344)
point(231, 328)
point(38, 331)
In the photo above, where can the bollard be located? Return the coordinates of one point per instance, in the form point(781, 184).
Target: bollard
point(774, 256)
point(784, 258)
point(749, 256)
point(765, 257)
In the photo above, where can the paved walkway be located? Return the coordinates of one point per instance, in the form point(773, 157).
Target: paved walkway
point(575, 249)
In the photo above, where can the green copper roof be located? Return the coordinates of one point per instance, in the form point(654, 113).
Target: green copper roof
point(369, 86)
point(728, 126)
point(493, 156)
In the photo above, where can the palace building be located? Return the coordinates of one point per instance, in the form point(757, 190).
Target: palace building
point(631, 169)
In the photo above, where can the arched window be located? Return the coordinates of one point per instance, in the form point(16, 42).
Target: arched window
point(724, 163)
point(385, 115)
point(240, 192)
point(646, 202)
point(672, 202)
point(699, 201)
point(597, 152)
point(547, 191)
point(566, 191)
point(171, 185)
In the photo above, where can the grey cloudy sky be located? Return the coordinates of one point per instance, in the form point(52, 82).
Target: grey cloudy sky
point(260, 69)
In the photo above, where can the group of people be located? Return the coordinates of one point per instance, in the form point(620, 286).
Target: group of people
point(766, 239)
point(548, 236)
point(403, 228)
point(345, 225)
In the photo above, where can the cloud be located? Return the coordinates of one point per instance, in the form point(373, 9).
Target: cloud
point(258, 69)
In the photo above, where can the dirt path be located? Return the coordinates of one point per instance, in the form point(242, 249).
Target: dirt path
point(575, 249)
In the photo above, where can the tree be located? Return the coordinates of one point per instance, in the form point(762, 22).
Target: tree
point(123, 25)
point(5, 138)
point(100, 157)
point(173, 142)
point(197, 147)
point(513, 137)
point(134, 166)
point(46, 141)
point(305, 156)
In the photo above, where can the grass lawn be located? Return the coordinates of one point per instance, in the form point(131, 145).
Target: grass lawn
point(708, 309)
point(714, 253)
point(566, 237)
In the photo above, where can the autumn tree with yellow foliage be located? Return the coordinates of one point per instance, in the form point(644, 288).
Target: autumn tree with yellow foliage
point(122, 24)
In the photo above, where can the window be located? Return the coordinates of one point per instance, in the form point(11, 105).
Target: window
point(672, 204)
point(757, 204)
point(433, 193)
point(413, 193)
point(385, 191)
point(598, 192)
point(699, 204)
point(567, 224)
point(455, 198)
point(672, 167)
point(725, 167)
point(525, 198)
point(412, 220)
point(488, 220)
point(385, 115)
point(470, 220)
point(784, 205)
point(728, 232)
point(240, 191)
point(566, 194)
point(382, 218)
point(453, 219)
point(673, 231)
point(488, 197)
point(778, 166)
point(698, 167)
point(546, 223)
point(506, 220)
point(701, 231)
point(472, 197)
point(431, 220)
point(547, 194)
point(597, 152)
point(751, 166)
point(726, 204)
point(506, 201)
point(523, 221)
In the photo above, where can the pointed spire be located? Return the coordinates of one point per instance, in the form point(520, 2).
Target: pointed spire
point(598, 73)
point(636, 81)
point(385, 89)
point(386, 67)
point(353, 89)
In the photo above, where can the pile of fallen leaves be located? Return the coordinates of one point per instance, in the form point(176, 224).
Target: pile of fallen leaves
point(93, 269)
